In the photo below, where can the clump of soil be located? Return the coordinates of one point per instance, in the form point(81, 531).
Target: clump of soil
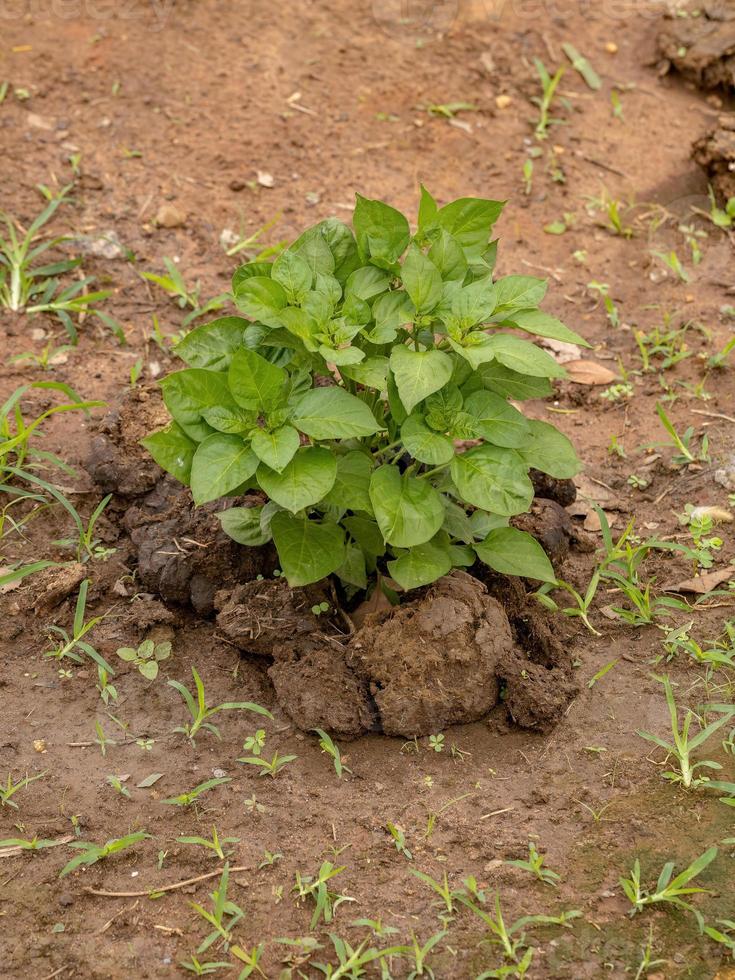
point(702, 47)
point(443, 659)
point(553, 528)
point(715, 152)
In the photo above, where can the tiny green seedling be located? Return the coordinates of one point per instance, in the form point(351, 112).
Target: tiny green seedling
point(92, 853)
point(535, 865)
point(173, 283)
point(320, 608)
point(549, 86)
point(69, 644)
point(447, 895)
point(200, 711)
point(667, 889)
point(315, 887)
point(216, 844)
point(251, 959)
point(672, 262)
point(34, 844)
point(436, 743)
point(10, 788)
point(399, 840)
point(118, 786)
point(722, 217)
point(419, 954)
point(224, 916)
point(268, 768)
point(603, 291)
point(186, 799)
point(193, 965)
point(700, 521)
point(328, 746)
point(581, 64)
point(255, 743)
point(351, 960)
point(147, 657)
point(102, 740)
point(682, 746)
point(108, 692)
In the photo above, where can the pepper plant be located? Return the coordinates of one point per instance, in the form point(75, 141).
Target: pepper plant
point(365, 395)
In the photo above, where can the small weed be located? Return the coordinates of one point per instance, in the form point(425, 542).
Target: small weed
point(315, 888)
point(255, 743)
point(549, 85)
point(399, 840)
point(535, 866)
point(147, 657)
point(668, 889)
point(216, 844)
point(328, 746)
point(186, 799)
point(223, 917)
point(268, 768)
point(173, 283)
point(10, 788)
point(92, 853)
point(200, 711)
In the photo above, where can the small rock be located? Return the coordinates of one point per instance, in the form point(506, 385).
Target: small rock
point(237, 185)
point(39, 122)
point(106, 245)
point(265, 179)
point(38, 333)
point(611, 47)
point(39, 745)
point(726, 476)
point(228, 238)
point(503, 101)
point(219, 773)
point(169, 216)
point(65, 900)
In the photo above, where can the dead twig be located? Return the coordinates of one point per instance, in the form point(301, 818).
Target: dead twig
point(163, 888)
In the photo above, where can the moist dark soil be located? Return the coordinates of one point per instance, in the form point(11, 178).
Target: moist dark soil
point(218, 115)
point(699, 42)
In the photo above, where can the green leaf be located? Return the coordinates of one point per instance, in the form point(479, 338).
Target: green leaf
point(342, 245)
point(248, 271)
point(476, 348)
point(469, 220)
point(427, 211)
point(421, 565)
point(424, 444)
point(367, 534)
point(497, 421)
point(186, 393)
point(494, 479)
point(173, 450)
point(382, 232)
point(474, 303)
point(550, 451)
point(351, 490)
point(421, 280)
point(261, 298)
point(372, 372)
point(254, 382)
point(276, 449)
point(419, 373)
point(390, 311)
point(524, 357)
point(510, 384)
point(519, 292)
point(306, 480)
point(293, 273)
point(230, 418)
point(544, 325)
point(367, 282)
point(242, 524)
point(213, 344)
point(307, 551)
point(409, 511)
point(313, 247)
point(447, 255)
point(456, 522)
point(149, 670)
point(220, 465)
point(514, 552)
point(352, 570)
point(333, 413)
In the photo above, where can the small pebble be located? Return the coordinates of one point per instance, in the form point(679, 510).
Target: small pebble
point(503, 101)
point(611, 47)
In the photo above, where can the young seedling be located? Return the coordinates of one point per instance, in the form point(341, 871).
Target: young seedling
point(535, 865)
point(717, 361)
point(722, 217)
point(102, 740)
point(69, 644)
point(255, 743)
point(204, 969)
point(668, 889)
point(672, 262)
point(224, 916)
point(315, 887)
point(328, 746)
point(352, 961)
point(603, 290)
point(147, 657)
point(35, 844)
point(399, 840)
point(682, 746)
point(549, 86)
point(700, 521)
point(584, 602)
point(436, 743)
point(581, 64)
point(725, 938)
point(118, 786)
point(267, 768)
point(92, 853)
point(216, 844)
point(200, 711)
point(10, 788)
point(447, 895)
point(186, 799)
point(647, 962)
point(251, 959)
point(173, 283)
point(419, 954)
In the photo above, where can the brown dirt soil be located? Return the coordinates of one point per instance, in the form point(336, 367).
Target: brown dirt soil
point(715, 152)
point(699, 42)
point(183, 106)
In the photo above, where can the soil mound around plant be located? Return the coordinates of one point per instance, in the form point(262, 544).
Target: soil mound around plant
point(447, 657)
point(701, 47)
point(715, 153)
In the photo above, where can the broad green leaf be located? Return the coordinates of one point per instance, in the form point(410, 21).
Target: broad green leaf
point(409, 511)
point(333, 413)
point(276, 449)
point(372, 372)
point(173, 450)
point(524, 357)
point(544, 325)
point(186, 393)
point(514, 552)
point(308, 551)
point(248, 271)
point(462, 555)
point(306, 480)
point(421, 280)
point(510, 384)
point(442, 407)
point(242, 524)
point(391, 311)
point(424, 444)
point(254, 382)
point(229, 418)
point(351, 490)
point(470, 220)
point(475, 347)
point(447, 255)
point(213, 344)
point(293, 273)
point(419, 373)
point(474, 304)
point(149, 670)
point(497, 421)
point(261, 298)
point(421, 565)
point(457, 524)
point(382, 232)
point(313, 247)
point(519, 292)
point(301, 324)
point(367, 282)
point(494, 479)
point(367, 534)
point(550, 451)
point(352, 570)
point(427, 211)
point(343, 247)
point(398, 412)
point(220, 465)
